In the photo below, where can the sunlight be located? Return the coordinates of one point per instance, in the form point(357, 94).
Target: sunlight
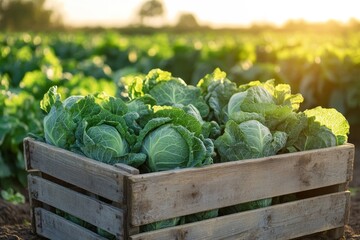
point(212, 12)
point(233, 13)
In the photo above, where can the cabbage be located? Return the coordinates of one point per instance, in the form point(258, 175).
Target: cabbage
point(333, 120)
point(217, 90)
point(168, 91)
point(250, 139)
point(173, 139)
point(59, 126)
point(272, 105)
point(103, 142)
point(97, 126)
point(165, 148)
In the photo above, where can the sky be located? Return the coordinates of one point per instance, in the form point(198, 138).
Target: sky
point(217, 13)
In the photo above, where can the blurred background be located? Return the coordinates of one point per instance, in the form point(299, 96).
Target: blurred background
point(69, 14)
point(86, 46)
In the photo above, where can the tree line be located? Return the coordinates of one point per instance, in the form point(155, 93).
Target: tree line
point(34, 15)
point(26, 15)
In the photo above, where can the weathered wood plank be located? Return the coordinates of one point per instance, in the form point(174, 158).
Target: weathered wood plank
point(129, 229)
point(127, 168)
point(52, 226)
point(162, 195)
point(283, 221)
point(99, 178)
point(84, 207)
point(337, 233)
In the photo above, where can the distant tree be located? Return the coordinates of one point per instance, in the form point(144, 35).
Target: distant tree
point(354, 24)
point(151, 9)
point(20, 15)
point(187, 20)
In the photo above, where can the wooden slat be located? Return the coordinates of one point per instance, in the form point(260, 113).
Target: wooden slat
point(129, 229)
point(162, 195)
point(52, 226)
point(127, 168)
point(99, 178)
point(84, 207)
point(283, 221)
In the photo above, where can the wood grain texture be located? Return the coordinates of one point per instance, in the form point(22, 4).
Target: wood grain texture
point(99, 178)
point(89, 209)
point(163, 195)
point(52, 226)
point(127, 168)
point(283, 221)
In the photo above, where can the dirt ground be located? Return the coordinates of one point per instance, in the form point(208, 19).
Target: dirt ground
point(15, 223)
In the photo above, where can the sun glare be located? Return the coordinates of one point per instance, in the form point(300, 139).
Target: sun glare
point(229, 12)
point(212, 12)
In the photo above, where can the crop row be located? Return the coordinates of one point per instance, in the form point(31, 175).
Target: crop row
point(324, 69)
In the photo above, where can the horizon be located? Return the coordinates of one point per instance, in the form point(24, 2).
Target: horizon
point(112, 13)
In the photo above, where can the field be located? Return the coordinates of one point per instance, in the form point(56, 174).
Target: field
point(325, 69)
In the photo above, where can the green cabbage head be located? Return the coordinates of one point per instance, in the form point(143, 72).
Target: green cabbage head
point(249, 139)
point(166, 148)
point(103, 142)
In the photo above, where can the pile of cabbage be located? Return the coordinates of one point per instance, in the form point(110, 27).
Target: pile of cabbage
point(160, 123)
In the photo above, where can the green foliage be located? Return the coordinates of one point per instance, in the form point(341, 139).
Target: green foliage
point(13, 197)
point(93, 125)
point(249, 139)
point(20, 116)
point(145, 105)
point(333, 120)
point(20, 15)
point(217, 90)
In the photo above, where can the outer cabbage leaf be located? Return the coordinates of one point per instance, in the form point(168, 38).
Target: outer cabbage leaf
point(247, 140)
point(85, 108)
point(293, 125)
point(173, 92)
point(179, 116)
point(333, 120)
point(71, 101)
point(167, 90)
point(315, 136)
point(275, 108)
point(139, 112)
point(102, 142)
point(217, 90)
point(98, 126)
point(59, 127)
point(258, 104)
point(141, 105)
point(156, 76)
point(50, 97)
point(209, 129)
point(114, 105)
point(281, 93)
point(102, 134)
point(140, 85)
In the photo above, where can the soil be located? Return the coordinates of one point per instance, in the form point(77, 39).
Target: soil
point(15, 222)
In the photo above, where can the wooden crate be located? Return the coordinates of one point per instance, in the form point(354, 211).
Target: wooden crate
point(119, 200)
